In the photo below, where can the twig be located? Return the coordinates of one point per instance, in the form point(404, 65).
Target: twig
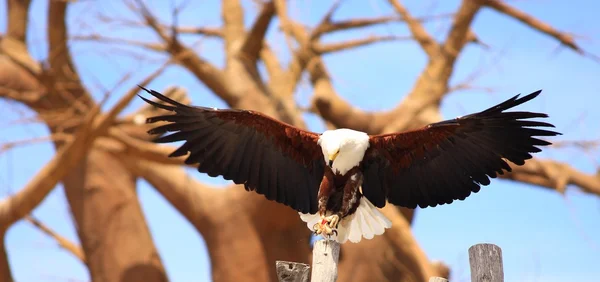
point(62, 241)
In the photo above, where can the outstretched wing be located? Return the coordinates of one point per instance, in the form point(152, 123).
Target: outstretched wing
point(448, 160)
point(277, 160)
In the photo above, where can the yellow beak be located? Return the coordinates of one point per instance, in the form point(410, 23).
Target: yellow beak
point(332, 158)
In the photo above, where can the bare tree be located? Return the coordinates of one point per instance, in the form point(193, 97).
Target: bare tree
point(100, 182)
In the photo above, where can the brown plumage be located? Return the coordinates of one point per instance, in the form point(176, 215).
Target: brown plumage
point(433, 165)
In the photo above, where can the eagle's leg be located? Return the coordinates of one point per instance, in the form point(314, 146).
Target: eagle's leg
point(348, 200)
point(325, 190)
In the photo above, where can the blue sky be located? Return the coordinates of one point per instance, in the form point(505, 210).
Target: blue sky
point(544, 236)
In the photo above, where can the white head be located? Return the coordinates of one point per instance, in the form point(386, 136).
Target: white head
point(343, 148)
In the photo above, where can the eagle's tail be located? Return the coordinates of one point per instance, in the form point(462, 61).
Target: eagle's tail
point(366, 222)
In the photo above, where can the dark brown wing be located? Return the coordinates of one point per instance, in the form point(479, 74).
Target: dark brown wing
point(448, 160)
point(277, 160)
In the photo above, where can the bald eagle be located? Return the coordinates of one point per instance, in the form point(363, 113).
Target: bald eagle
point(337, 180)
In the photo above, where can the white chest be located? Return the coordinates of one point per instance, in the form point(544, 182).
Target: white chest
point(345, 162)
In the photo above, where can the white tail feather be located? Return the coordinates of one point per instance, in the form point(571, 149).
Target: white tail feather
point(366, 222)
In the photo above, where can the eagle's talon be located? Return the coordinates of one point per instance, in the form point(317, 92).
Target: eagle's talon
point(327, 226)
point(327, 230)
point(333, 220)
point(317, 228)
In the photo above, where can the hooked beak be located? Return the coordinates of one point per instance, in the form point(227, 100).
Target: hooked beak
point(332, 158)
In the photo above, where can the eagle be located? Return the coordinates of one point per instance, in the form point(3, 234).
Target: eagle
point(339, 179)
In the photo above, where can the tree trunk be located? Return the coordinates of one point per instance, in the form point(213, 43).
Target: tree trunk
point(5, 273)
point(245, 241)
point(110, 224)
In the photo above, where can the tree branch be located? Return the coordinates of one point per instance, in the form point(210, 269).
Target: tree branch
point(68, 156)
point(62, 137)
point(199, 30)
point(122, 143)
point(17, 12)
point(211, 76)
point(323, 49)
point(62, 241)
point(460, 30)
point(233, 19)
point(429, 45)
point(253, 41)
point(554, 175)
point(334, 26)
point(22, 203)
point(191, 198)
point(152, 46)
point(562, 37)
point(65, 79)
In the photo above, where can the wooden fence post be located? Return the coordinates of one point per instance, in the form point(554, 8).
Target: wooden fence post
point(486, 263)
point(292, 271)
point(438, 279)
point(326, 254)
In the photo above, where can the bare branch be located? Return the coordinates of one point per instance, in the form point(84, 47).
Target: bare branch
point(253, 41)
point(581, 144)
point(554, 175)
point(69, 92)
point(206, 31)
point(343, 25)
point(17, 11)
point(139, 149)
point(95, 124)
point(422, 103)
point(26, 97)
point(427, 42)
point(153, 23)
point(62, 241)
point(460, 30)
point(22, 203)
point(191, 198)
point(233, 20)
point(562, 37)
point(211, 76)
point(54, 137)
point(272, 64)
point(322, 49)
point(203, 30)
point(158, 47)
point(325, 21)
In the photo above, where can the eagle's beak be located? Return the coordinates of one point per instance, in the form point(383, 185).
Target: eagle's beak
point(332, 158)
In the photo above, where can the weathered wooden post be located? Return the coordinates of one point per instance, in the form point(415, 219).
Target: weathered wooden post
point(438, 279)
point(486, 263)
point(292, 271)
point(326, 254)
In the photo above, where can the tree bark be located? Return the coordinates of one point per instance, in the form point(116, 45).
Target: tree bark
point(109, 220)
point(5, 273)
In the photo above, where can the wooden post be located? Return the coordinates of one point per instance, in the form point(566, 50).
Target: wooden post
point(326, 254)
point(292, 271)
point(486, 263)
point(438, 279)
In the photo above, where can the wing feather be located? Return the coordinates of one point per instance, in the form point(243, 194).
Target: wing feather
point(277, 160)
point(449, 160)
